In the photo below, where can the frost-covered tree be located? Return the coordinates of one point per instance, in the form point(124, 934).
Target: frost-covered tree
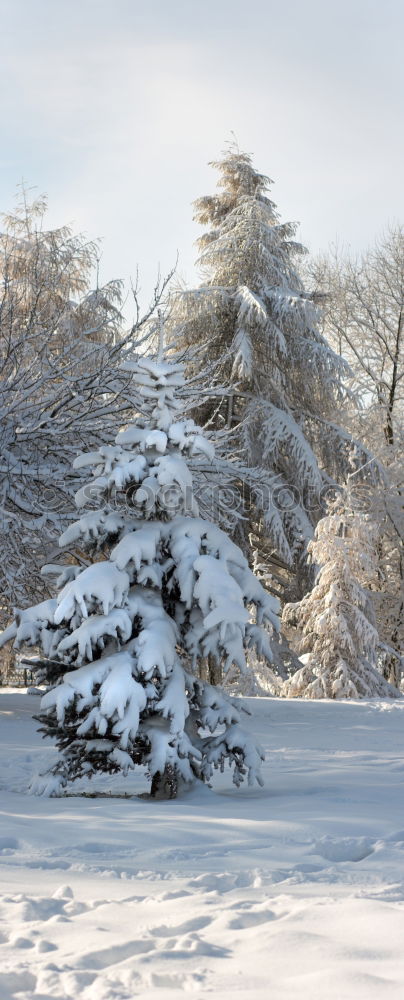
point(363, 319)
point(284, 384)
point(60, 386)
point(339, 638)
point(165, 591)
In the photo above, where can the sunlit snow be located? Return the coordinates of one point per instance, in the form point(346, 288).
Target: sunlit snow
point(293, 891)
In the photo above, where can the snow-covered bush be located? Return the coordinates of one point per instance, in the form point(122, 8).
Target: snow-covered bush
point(336, 619)
point(165, 591)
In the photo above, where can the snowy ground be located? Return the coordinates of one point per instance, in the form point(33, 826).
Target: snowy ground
point(292, 891)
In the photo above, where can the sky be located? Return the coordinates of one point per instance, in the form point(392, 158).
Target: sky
point(114, 108)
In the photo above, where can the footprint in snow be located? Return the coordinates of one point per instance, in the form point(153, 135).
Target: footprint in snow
point(391, 894)
point(227, 881)
point(343, 848)
point(396, 838)
point(21, 942)
point(17, 982)
point(44, 946)
point(106, 957)
point(30, 910)
point(172, 895)
point(185, 948)
point(63, 892)
point(8, 845)
point(75, 982)
point(195, 924)
point(180, 981)
point(246, 919)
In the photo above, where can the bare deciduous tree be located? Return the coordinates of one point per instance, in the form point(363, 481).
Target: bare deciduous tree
point(61, 385)
point(364, 321)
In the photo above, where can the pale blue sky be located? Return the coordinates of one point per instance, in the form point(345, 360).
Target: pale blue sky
point(114, 107)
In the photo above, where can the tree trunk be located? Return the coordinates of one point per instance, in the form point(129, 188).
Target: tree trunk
point(164, 784)
point(215, 671)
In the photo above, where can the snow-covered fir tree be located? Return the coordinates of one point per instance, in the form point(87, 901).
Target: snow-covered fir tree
point(162, 591)
point(336, 621)
point(284, 383)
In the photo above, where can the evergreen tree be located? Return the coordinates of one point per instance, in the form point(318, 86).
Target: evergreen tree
point(284, 383)
point(167, 589)
point(336, 620)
